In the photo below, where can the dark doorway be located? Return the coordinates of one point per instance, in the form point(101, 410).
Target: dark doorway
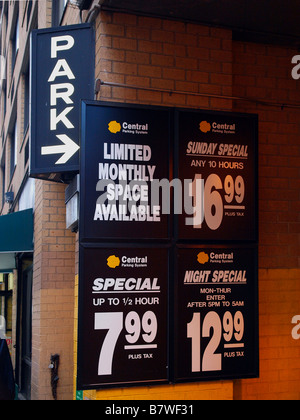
point(25, 336)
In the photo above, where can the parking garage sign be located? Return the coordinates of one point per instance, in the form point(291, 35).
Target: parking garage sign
point(218, 152)
point(216, 313)
point(62, 73)
point(123, 316)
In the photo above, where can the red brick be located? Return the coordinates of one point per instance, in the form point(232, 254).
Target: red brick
point(172, 73)
point(150, 46)
point(137, 57)
point(112, 54)
point(186, 39)
point(151, 71)
point(162, 36)
point(111, 29)
point(162, 60)
point(124, 68)
point(124, 43)
point(124, 19)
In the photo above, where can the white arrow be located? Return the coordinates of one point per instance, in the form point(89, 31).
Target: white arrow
point(69, 148)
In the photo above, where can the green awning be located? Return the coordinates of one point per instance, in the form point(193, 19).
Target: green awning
point(16, 235)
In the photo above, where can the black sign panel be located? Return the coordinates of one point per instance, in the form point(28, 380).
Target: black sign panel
point(124, 150)
point(216, 334)
point(155, 180)
point(62, 73)
point(218, 153)
point(123, 317)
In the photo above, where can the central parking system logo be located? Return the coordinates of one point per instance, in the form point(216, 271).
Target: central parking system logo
point(202, 258)
point(114, 127)
point(113, 261)
point(128, 128)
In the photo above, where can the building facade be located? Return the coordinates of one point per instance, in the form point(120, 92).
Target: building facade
point(146, 59)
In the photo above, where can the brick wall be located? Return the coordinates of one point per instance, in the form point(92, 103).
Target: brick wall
point(53, 292)
point(162, 54)
point(264, 72)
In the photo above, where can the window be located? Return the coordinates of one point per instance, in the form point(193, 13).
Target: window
point(26, 157)
point(4, 21)
point(4, 101)
point(2, 70)
point(14, 150)
point(3, 179)
point(3, 107)
point(29, 8)
point(26, 101)
point(15, 45)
